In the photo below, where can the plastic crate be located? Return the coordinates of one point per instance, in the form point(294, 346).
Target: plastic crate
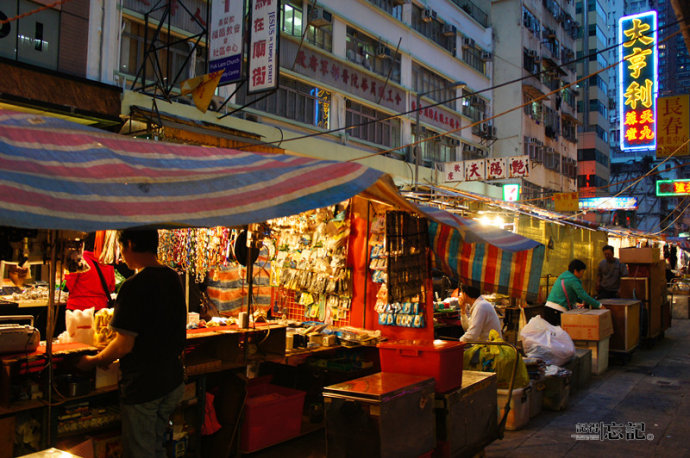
point(440, 359)
point(518, 416)
point(272, 414)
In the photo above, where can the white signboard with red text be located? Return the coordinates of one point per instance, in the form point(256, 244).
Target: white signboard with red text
point(263, 45)
point(495, 168)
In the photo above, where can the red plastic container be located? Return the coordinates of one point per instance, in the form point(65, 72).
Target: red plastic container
point(440, 359)
point(272, 414)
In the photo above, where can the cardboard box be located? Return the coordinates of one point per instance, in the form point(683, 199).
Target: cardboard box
point(586, 324)
point(626, 323)
point(600, 353)
point(647, 255)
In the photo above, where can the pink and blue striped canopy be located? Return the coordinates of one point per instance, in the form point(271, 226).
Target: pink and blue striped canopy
point(56, 174)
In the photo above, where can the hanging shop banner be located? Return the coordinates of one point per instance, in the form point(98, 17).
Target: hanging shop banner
point(608, 203)
point(673, 130)
point(638, 81)
point(511, 192)
point(518, 166)
point(672, 188)
point(496, 168)
point(565, 202)
point(487, 169)
point(263, 45)
point(225, 43)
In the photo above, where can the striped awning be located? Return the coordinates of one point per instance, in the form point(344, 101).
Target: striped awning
point(494, 260)
point(55, 174)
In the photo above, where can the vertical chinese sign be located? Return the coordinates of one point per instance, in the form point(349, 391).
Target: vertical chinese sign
point(638, 81)
point(263, 45)
point(673, 130)
point(225, 43)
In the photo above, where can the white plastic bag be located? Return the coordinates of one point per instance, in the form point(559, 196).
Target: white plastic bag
point(540, 339)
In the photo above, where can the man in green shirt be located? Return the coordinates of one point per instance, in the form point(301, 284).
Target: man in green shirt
point(567, 292)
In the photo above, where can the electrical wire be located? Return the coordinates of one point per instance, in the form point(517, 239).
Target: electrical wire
point(497, 86)
point(37, 10)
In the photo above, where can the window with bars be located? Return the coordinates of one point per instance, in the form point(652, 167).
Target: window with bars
point(473, 106)
point(369, 125)
point(293, 21)
point(473, 57)
point(432, 29)
point(432, 85)
point(438, 149)
point(394, 8)
point(533, 110)
point(293, 100)
point(372, 54)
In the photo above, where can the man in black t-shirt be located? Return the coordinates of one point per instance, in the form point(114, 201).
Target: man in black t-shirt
point(149, 322)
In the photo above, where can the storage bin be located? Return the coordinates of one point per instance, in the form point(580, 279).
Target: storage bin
point(557, 391)
point(518, 416)
point(600, 353)
point(536, 397)
point(383, 415)
point(272, 414)
point(440, 359)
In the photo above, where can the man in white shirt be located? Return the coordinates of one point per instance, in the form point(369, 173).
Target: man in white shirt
point(478, 316)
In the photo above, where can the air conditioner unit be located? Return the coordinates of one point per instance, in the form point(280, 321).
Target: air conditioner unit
point(486, 55)
point(318, 17)
point(449, 30)
point(382, 50)
point(468, 42)
point(428, 15)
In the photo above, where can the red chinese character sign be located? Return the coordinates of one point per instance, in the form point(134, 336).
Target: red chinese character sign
point(672, 188)
point(454, 171)
point(263, 45)
point(496, 168)
point(638, 81)
point(475, 170)
point(225, 39)
point(673, 129)
point(518, 166)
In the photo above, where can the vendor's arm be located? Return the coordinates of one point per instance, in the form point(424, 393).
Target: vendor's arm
point(582, 294)
point(464, 319)
point(116, 349)
point(473, 332)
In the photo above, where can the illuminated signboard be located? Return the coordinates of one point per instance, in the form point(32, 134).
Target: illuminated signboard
point(672, 188)
point(608, 203)
point(638, 81)
point(511, 192)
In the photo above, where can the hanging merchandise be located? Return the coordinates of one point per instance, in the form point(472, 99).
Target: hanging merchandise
point(310, 269)
point(402, 253)
point(194, 250)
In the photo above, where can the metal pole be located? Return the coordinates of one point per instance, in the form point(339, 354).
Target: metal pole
point(417, 150)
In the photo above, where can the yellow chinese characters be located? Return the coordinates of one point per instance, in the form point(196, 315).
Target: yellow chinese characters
point(637, 33)
point(636, 93)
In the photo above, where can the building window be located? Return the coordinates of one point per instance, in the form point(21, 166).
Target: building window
point(431, 28)
point(438, 149)
point(175, 57)
point(473, 106)
point(389, 6)
point(372, 54)
point(375, 129)
point(474, 56)
point(435, 87)
point(292, 19)
point(531, 23)
point(295, 101)
point(533, 110)
point(569, 129)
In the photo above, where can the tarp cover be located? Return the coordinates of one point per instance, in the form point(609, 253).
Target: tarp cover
point(492, 259)
point(56, 174)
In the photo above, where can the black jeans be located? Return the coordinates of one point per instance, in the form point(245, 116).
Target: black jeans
point(553, 316)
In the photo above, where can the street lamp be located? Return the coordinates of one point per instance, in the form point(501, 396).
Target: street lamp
point(418, 149)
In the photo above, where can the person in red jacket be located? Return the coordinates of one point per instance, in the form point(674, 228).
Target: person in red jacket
point(85, 287)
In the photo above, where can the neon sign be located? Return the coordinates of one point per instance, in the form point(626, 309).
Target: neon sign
point(608, 203)
point(672, 188)
point(638, 81)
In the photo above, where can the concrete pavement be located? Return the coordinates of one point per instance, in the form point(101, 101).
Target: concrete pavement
point(652, 389)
